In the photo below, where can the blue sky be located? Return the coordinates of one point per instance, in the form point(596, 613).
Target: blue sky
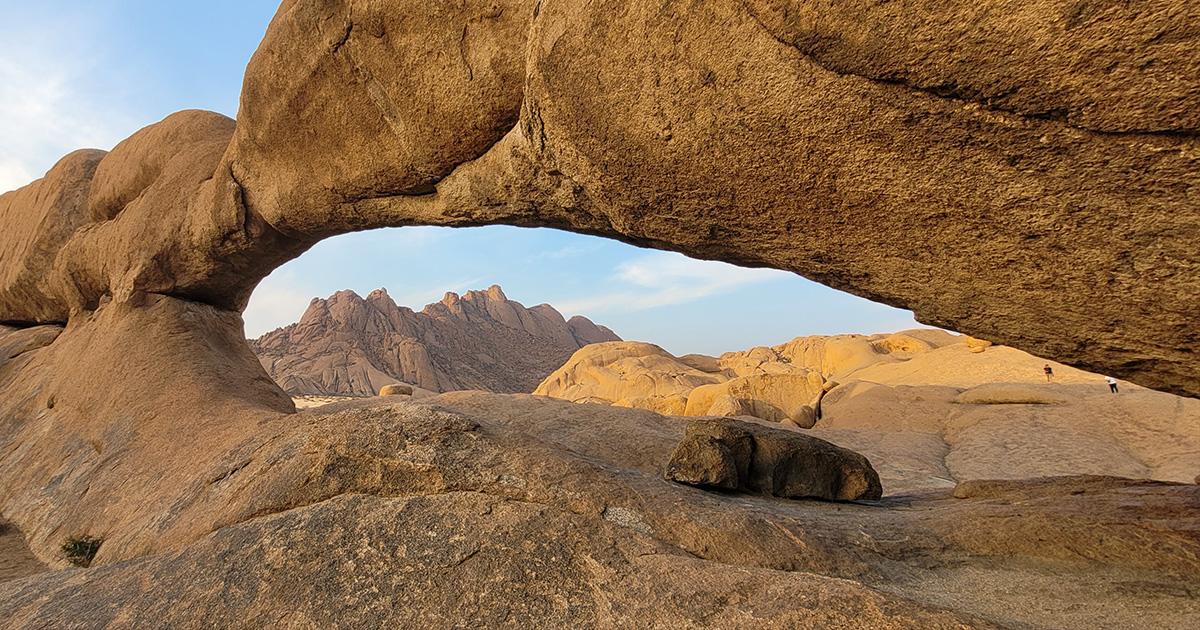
point(87, 74)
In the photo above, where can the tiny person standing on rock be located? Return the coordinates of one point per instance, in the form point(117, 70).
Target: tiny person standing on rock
point(1112, 383)
point(1049, 372)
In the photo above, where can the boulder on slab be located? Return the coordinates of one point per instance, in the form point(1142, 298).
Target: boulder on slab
point(804, 416)
point(796, 466)
point(781, 463)
point(396, 389)
point(734, 434)
point(977, 343)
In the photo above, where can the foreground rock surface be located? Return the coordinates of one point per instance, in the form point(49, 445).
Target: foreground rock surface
point(380, 511)
point(1059, 220)
point(350, 346)
point(745, 456)
point(453, 560)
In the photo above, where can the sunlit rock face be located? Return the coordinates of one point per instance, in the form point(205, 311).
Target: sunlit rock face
point(928, 408)
point(1024, 172)
point(347, 345)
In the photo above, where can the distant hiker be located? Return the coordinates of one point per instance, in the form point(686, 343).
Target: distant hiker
point(1112, 383)
point(1049, 372)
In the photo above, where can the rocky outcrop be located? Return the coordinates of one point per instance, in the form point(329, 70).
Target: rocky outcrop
point(784, 383)
point(626, 370)
point(397, 389)
point(744, 456)
point(780, 396)
point(936, 410)
point(349, 346)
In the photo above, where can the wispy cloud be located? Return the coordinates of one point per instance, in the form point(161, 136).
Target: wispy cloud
point(418, 300)
point(279, 300)
point(570, 251)
point(665, 278)
point(13, 174)
point(48, 107)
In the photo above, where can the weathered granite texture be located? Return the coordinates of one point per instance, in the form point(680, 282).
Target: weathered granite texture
point(1026, 173)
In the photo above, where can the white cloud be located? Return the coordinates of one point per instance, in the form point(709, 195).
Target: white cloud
point(570, 251)
point(279, 300)
point(417, 301)
point(13, 175)
point(666, 278)
point(48, 105)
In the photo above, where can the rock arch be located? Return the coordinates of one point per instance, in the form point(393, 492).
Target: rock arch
point(1036, 187)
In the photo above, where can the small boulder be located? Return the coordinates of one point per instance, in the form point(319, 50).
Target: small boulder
point(777, 462)
point(974, 343)
point(804, 417)
point(396, 389)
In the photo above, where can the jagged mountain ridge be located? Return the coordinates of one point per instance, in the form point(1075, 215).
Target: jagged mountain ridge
point(352, 346)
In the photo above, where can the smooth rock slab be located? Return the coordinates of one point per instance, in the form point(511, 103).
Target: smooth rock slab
point(456, 560)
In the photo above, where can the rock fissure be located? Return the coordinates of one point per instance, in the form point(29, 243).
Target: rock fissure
point(242, 223)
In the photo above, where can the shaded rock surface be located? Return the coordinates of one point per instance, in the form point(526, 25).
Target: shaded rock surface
point(739, 455)
point(16, 560)
point(349, 346)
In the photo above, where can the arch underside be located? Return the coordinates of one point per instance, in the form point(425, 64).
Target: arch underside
point(1044, 198)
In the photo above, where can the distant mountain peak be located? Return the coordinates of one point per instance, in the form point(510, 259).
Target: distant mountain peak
point(348, 345)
